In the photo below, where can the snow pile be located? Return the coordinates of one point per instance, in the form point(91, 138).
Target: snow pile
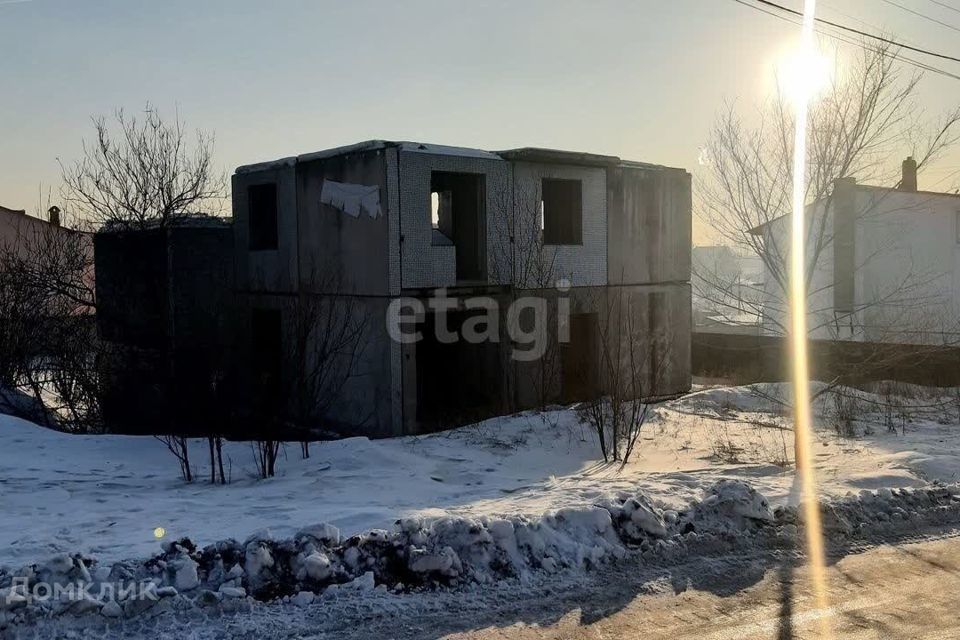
point(318, 563)
point(729, 505)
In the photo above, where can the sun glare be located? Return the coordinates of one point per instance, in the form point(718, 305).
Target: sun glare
point(802, 86)
point(804, 73)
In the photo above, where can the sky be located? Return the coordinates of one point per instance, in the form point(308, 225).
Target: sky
point(641, 79)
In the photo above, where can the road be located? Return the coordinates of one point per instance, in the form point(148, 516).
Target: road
point(907, 590)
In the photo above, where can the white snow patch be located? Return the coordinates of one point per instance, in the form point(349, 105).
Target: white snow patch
point(105, 495)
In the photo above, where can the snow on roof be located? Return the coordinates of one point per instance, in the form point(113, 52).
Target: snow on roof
point(369, 145)
point(558, 156)
point(530, 154)
point(445, 150)
point(185, 221)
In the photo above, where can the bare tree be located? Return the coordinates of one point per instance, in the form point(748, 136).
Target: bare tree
point(179, 446)
point(48, 344)
point(136, 172)
point(859, 128)
point(215, 446)
point(634, 361)
point(522, 260)
point(143, 171)
point(327, 339)
point(20, 344)
point(219, 389)
point(265, 456)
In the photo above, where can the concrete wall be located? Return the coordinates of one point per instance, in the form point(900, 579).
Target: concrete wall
point(364, 404)
point(274, 270)
point(665, 310)
point(330, 258)
point(821, 321)
point(659, 316)
point(745, 359)
point(649, 224)
point(132, 287)
point(329, 239)
point(166, 315)
point(201, 288)
point(907, 282)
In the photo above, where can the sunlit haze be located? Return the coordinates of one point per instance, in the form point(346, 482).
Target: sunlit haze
point(642, 80)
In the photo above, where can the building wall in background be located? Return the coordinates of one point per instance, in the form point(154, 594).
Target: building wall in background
point(890, 273)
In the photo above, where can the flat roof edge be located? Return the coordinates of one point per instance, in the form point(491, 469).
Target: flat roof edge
point(520, 154)
point(289, 161)
point(558, 156)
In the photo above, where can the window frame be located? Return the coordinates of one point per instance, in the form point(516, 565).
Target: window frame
point(554, 238)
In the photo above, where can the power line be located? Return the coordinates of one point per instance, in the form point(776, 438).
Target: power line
point(865, 34)
point(855, 43)
point(829, 7)
point(832, 9)
point(945, 5)
point(922, 15)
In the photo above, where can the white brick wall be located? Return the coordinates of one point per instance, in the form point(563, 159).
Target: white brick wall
point(584, 264)
point(422, 264)
point(425, 265)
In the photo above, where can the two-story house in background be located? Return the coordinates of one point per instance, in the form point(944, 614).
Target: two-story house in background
point(378, 224)
point(889, 268)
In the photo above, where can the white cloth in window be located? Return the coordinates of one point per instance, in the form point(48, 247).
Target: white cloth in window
point(351, 198)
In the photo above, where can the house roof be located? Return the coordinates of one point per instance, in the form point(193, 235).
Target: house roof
point(188, 221)
point(10, 211)
point(16, 216)
point(757, 230)
point(11, 220)
point(520, 154)
point(943, 194)
point(557, 156)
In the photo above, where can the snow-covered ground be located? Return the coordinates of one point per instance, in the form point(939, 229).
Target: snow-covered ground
point(106, 495)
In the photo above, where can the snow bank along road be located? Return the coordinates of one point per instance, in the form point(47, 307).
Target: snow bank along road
point(906, 591)
point(457, 554)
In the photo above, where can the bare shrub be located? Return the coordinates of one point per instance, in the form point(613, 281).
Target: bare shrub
point(633, 363)
point(328, 339)
point(845, 411)
point(724, 448)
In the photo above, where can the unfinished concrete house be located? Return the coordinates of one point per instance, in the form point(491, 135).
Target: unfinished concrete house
point(332, 247)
